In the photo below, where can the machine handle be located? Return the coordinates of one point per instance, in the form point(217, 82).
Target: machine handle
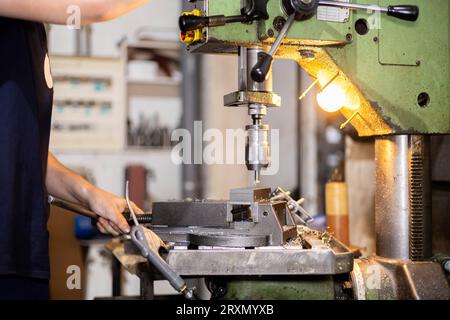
point(264, 63)
point(253, 10)
point(191, 22)
point(262, 67)
point(138, 237)
point(403, 12)
point(79, 209)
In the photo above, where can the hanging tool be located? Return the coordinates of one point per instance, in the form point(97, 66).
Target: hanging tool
point(150, 251)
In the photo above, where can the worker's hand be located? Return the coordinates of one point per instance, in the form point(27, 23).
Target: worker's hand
point(109, 207)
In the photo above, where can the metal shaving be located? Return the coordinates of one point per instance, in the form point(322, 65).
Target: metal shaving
point(296, 242)
point(324, 236)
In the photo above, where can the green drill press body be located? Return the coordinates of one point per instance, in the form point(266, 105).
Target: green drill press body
point(399, 70)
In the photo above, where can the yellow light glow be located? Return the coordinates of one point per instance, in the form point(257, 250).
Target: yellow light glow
point(332, 98)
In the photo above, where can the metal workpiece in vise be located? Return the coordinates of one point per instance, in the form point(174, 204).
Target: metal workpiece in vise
point(250, 218)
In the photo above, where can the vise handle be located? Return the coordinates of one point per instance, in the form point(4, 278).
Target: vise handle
point(80, 209)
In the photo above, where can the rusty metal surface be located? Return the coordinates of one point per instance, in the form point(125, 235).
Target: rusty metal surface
point(312, 253)
point(379, 278)
point(131, 262)
point(270, 261)
point(420, 246)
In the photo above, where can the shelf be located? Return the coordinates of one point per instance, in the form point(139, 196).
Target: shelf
point(147, 149)
point(161, 81)
point(127, 149)
point(160, 86)
point(157, 88)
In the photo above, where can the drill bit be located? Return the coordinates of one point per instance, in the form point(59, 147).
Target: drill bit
point(257, 177)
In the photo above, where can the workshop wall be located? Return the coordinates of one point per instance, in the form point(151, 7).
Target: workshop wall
point(157, 19)
point(220, 78)
point(284, 119)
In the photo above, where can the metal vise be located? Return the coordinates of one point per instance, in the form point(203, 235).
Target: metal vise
point(248, 219)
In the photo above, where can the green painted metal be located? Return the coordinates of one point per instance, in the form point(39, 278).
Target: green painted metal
point(309, 288)
point(242, 33)
point(391, 65)
point(307, 29)
point(233, 32)
point(407, 59)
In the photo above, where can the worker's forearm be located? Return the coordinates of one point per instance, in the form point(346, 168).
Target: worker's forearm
point(58, 11)
point(117, 8)
point(63, 183)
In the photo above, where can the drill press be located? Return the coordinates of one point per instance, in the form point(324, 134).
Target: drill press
point(386, 69)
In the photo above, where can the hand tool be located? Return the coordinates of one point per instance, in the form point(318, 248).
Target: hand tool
point(140, 236)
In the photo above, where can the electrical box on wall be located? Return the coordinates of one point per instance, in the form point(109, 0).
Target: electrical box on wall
point(89, 109)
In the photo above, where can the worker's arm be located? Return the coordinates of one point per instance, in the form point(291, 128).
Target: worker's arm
point(58, 11)
point(65, 184)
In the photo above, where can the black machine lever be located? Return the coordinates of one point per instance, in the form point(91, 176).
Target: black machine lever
point(189, 22)
point(409, 13)
point(403, 12)
point(262, 67)
point(253, 10)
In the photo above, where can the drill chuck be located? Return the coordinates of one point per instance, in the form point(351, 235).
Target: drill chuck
point(257, 149)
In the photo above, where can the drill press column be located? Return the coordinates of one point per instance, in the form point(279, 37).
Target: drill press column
point(392, 197)
point(403, 198)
